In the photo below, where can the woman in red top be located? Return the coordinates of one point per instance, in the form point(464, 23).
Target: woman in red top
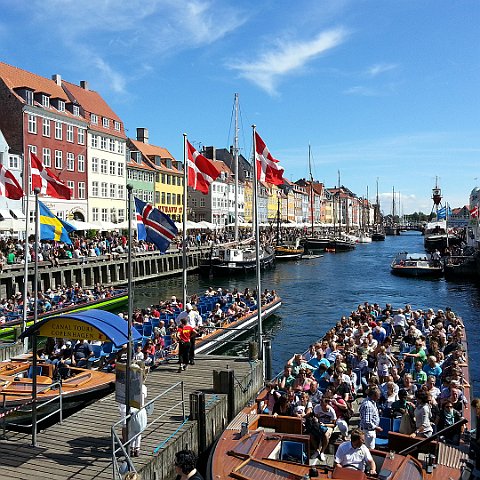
point(185, 332)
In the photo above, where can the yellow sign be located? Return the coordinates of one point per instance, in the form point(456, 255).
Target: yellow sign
point(72, 329)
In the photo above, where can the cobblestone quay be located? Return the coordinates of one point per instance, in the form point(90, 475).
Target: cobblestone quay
point(106, 270)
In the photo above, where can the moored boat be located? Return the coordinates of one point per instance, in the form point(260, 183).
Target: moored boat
point(288, 252)
point(460, 267)
point(341, 244)
point(378, 236)
point(416, 265)
point(77, 389)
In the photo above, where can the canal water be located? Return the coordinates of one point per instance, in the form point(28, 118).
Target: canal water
point(317, 292)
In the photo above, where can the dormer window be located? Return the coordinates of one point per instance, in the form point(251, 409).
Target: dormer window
point(116, 126)
point(168, 163)
point(61, 106)
point(28, 96)
point(76, 110)
point(105, 122)
point(45, 101)
point(94, 119)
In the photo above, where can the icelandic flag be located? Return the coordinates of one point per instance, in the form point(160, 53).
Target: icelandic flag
point(52, 227)
point(154, 226)
point(444, 212)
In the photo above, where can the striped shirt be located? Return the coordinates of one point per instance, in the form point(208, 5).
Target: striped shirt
point(369, 416)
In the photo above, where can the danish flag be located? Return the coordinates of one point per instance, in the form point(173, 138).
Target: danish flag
point(474, 212)
point(201, 171)
point(9, 186)
point(47, 181)
point(268, 168)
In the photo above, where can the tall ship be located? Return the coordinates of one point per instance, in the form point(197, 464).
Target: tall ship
point(437, 234)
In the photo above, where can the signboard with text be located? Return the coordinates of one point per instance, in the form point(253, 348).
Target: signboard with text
point(136, 382)
point(71, 329)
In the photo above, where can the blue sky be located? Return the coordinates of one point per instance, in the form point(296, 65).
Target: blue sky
point(386, 89)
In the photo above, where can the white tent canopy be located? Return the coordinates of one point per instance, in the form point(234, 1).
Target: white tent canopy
point(12, 224)
point(79, 225)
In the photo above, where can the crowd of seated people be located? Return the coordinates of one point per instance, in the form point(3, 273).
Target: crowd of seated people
point(415, 361)
point(53, 299)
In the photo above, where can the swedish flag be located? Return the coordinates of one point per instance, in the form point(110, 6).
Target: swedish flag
point(52, 228)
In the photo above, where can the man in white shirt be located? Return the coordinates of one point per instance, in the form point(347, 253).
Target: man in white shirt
point(354, 454)
point(399, 323)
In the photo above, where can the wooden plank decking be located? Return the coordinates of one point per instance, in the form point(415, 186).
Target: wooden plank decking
point(80, 448)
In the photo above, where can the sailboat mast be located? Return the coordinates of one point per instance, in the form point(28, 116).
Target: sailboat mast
point(235, 159)
point(311, 184)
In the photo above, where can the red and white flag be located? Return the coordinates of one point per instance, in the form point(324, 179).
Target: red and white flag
point(201, 171)
point(47, 181)
point(268, 168)
point(474, 212)
point(9, 186)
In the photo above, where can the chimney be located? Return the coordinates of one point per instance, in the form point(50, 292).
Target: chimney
point(142, 135)
point(210, 152)
point(57, 79)
point(84, 84)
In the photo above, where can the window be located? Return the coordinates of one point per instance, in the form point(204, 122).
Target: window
point(47, 157)
point(116, 125)
point(120, 169)
point(94, 141)
point(58, 159)
point(202, 202)
point(163, 197)
point(180, 201)
point(174, 199)
point(120, 147)
point(45, 101)
point(104, 214)
point(169, 180)
point(157, 197)
point(29, 97)
point(163, 178)
point(105, 122)
point(112, 190)
point(103, 166)
point(150, 197)
point(46, 127)
point(71, 186)
point(94, 119)
point(81, 136)
point(113, 215)
point(81, 163)
point(61, 106)
point(58, 131)
point(95, 214)
point(112, 145)
point(70, 162)
point(104, 190)
point(70, 133)
point(134, 174)
point(103, 142)
point(112, 168)
point(169, 198)
point(94, 189)
point(121, 192)
point(94, 164)
point(12, 161)
point(32, 123)
point(81, 190)
point(145, 196)
point(121, 214)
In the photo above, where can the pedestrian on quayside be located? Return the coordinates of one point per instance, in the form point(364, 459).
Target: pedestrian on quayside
point(185, 333)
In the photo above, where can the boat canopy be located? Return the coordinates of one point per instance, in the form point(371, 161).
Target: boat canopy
point(92, 324)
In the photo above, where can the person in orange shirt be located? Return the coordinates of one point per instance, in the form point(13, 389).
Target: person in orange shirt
point(185, 333)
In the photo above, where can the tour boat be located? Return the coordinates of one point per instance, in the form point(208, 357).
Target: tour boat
point(118, 299)
point(80, 387)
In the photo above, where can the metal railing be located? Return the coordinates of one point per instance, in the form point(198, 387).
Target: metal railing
point(20, 408)
point(121, 448)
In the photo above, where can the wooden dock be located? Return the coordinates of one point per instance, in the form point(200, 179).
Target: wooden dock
point(81, 447)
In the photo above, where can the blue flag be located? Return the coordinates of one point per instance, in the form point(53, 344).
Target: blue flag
point(154, 226)
point(443, 212)
point(51, 227)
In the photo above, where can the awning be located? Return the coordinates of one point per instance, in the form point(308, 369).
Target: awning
point(17, 214)
point(79, 225)
point(12, 224)
point(5, 213)
point(85, 325)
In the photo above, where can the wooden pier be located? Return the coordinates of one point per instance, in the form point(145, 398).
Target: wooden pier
point(81, 447)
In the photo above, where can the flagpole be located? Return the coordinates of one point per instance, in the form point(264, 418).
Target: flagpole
point(257, 247)
point(446, 221)
point(130, 308)
point(35, 318)
point(184, 233)
point(26, 183)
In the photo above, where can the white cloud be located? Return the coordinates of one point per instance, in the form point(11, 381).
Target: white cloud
point(380, 68)
point(362, 91)
point(287, 57)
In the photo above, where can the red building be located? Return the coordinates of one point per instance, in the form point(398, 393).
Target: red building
point(36, 115)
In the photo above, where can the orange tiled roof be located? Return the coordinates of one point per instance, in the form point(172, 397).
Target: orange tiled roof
point(221, 167)
point(143, 166)
point(149, 150)
point(91, 101)
point(15, 77)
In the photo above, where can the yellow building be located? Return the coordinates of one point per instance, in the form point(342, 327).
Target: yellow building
point(168, 193)
point(248, 195)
